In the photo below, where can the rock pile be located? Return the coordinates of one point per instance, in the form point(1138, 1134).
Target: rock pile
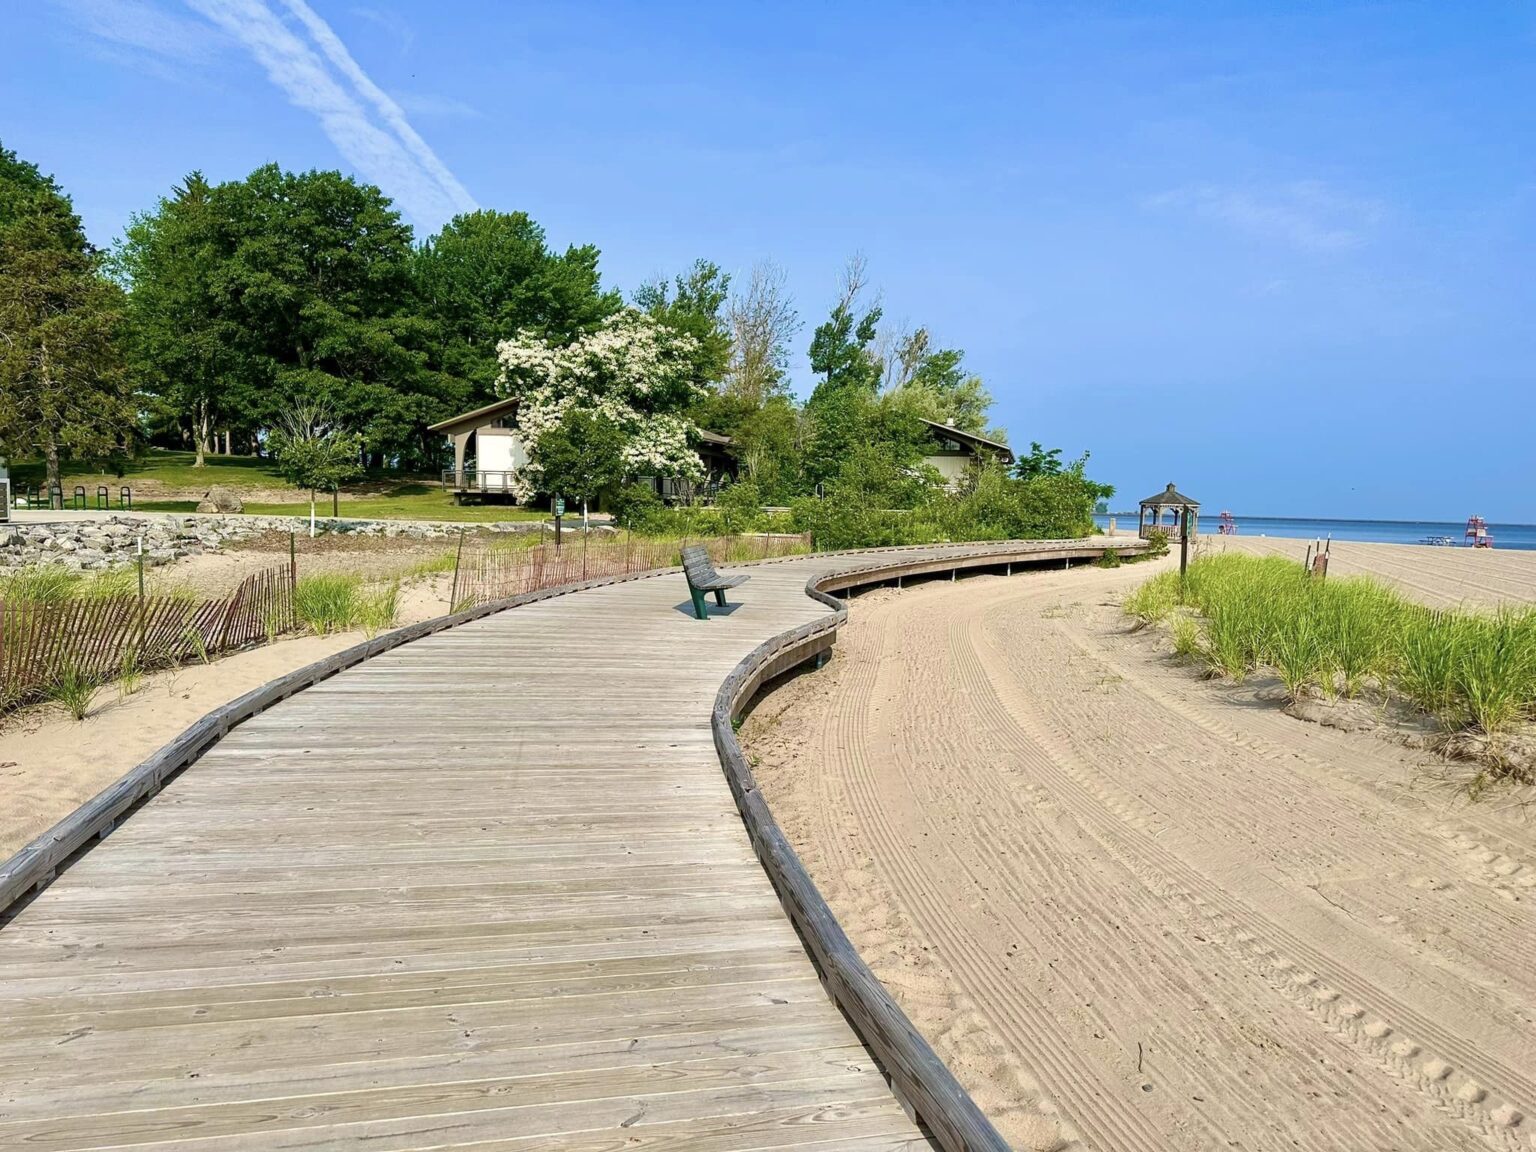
point(107, 543)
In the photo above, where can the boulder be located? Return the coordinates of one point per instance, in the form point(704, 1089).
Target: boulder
point(221, 499)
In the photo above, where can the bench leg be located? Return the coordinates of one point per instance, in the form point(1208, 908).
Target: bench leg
point(720, 597)
point(700, 608)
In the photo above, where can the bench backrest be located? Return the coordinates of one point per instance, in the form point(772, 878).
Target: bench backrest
point(697, 564)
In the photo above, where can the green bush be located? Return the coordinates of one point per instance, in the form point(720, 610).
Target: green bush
point(741, 507)
point(871, 505)
point(633, 503)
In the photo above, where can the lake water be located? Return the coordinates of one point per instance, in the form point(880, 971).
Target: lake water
point(1521, 536)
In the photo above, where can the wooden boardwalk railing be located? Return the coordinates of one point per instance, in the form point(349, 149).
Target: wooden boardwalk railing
point(389, 912)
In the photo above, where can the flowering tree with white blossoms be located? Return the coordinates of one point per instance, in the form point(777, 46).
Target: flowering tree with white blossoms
point(633, 371)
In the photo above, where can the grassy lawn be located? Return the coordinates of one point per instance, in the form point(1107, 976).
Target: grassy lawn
point(173, 469)
point(389, 497)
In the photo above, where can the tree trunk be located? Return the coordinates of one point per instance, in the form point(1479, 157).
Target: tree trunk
point(200, 434)
point(52, 456)
point(51, 448)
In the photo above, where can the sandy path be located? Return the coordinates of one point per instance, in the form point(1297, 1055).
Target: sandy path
point(1136, 912)
point(1444, 577)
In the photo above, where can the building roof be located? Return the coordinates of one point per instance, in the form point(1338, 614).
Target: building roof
point(974, 440)
point(1170, 497)
point(478, 418)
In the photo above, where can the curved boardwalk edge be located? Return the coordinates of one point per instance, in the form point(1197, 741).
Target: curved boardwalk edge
point(921, 1080)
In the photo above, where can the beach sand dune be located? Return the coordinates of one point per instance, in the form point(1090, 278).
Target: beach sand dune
point(1137, 910)
point(1442, 577)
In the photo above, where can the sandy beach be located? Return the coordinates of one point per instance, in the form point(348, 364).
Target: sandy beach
point(1134, 909)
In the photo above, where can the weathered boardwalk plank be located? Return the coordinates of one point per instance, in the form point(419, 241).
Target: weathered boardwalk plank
point(487, 889)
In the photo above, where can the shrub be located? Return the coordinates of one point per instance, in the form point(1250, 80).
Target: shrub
point(1157, 542)
point(1110, 559)
point(740, 507)
point(632, 504)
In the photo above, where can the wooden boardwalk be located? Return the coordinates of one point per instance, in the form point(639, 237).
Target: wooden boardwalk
point(489, 889)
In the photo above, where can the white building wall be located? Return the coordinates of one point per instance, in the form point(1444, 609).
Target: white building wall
point(498, 450)
point(952, 468)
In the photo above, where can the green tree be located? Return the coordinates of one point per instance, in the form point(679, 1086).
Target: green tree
point(1040, 461)
point(762, 322)
point(63, 390)
point(185, 348)
point(842, 348)
point(582, 456)
point(288, 288)
point(939, 385)
point(313, 451)
point(489, 275)
point(692, 304)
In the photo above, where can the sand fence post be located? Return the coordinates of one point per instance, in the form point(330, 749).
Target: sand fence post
point(458, 557)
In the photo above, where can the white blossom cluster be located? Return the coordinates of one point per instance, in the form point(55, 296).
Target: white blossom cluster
point(633, 371)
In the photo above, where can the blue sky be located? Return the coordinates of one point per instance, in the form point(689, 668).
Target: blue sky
point(1280, 254)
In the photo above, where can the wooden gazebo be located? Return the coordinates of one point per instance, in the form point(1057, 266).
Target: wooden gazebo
point(1154, 509)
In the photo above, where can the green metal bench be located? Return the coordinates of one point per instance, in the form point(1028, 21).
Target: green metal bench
point(703, 578)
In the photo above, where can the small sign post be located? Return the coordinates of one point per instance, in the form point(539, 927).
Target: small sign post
point(559, 510)
point(1183, 547)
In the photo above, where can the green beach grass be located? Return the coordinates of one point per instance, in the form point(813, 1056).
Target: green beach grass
point(1470, 670)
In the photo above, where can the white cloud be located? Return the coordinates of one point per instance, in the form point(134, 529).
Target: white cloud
point(443, 107)
point(388, 151)
point(306, 60)
point(1305, 214)
point(388, 110)
point(144, 29)
point(390, 23)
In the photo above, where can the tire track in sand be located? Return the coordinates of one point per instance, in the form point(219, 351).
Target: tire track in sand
point(1308, 975)
point(1031, 830)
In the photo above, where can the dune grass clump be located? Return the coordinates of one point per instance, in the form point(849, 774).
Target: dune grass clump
point(376, 610)
point(1469, 670)
point(326, 602)
point(1186, 636)
point(39, 584)
point(73, 689)
point(1152, 601)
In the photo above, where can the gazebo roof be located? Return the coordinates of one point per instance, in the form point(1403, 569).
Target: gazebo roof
point(1170, 497)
